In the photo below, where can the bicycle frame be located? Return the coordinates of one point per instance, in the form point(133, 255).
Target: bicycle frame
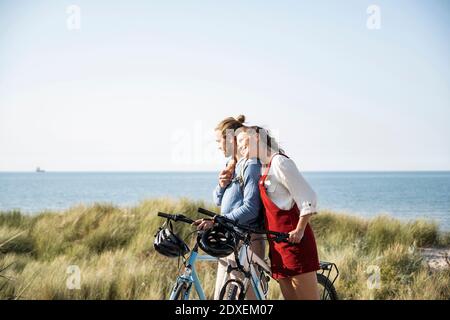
point(247, 259)
point(190, 276)
point(244, 254)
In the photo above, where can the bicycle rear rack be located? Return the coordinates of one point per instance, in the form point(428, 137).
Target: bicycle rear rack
point(326, 268)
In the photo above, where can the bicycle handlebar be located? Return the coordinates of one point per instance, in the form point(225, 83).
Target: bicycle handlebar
point(175, 217)
point(207, 212)
point(279, 236)
point(224, 221)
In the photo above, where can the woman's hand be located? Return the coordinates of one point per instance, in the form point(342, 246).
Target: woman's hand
point(203, 224)
point(225, 178)
point(295, 236)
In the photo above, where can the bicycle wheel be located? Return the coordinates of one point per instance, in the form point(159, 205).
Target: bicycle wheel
point(326, 288)
point(180, 291)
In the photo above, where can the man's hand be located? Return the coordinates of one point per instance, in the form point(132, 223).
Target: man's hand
point(225, 178)
point(203, 224)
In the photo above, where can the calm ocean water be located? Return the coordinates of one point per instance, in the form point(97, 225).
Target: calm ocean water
point(405, 195)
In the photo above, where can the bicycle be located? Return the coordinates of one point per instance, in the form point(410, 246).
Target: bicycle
point(256, 272)
point(183, 284)
point(259, 270)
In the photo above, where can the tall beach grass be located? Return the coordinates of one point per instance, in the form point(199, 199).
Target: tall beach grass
point(111, 246)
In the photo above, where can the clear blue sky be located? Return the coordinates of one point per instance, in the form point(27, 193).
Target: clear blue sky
point(143, 83)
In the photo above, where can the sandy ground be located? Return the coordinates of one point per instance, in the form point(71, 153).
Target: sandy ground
point(437, 258)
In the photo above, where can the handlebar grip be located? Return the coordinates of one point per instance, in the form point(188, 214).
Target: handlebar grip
point(165, 215)
point(280, 237)
point(283, 238)
point(175, 217)
point(185, 219)
point(207, 212)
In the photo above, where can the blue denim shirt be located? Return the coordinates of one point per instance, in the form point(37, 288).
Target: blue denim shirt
point(242, 206)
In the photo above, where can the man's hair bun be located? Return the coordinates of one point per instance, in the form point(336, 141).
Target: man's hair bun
point(240, 118)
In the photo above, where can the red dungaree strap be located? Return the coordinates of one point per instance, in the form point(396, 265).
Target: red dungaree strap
point(264, 176)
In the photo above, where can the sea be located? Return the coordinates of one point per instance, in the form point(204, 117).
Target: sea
point(403, 195)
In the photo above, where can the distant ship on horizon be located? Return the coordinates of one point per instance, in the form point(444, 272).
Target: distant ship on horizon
point(38, 169)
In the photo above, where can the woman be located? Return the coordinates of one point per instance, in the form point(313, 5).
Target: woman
point(237, 194)
point(289, 203)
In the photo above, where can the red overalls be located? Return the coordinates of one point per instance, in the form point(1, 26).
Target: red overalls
point(287, 259)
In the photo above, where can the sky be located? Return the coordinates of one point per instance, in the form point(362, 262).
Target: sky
point(141, 85)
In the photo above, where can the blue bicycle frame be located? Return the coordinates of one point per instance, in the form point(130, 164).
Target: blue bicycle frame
point(190, 277)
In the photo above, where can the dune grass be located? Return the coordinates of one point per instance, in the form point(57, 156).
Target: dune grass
point(112, 248)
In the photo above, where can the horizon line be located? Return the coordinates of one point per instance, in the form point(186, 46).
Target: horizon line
point(215, 171)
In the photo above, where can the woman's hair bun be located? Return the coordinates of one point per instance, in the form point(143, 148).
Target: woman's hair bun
point(240, 118)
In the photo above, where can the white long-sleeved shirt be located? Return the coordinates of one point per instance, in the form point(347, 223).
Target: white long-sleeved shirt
point(286, 186)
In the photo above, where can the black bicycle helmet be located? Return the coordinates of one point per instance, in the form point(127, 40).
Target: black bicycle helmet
point(168, 243)
point(218, 241)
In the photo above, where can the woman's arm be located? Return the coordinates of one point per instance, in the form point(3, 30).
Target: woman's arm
point(296, 235)
point(290, 177)
point(304, 196)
